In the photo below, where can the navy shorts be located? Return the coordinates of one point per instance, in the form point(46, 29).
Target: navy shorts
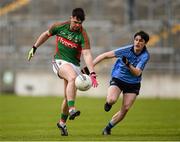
point(126, 87)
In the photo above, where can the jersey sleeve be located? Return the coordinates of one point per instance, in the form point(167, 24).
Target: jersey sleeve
point(143, 61)
point(85, 44)
point(122, 51)
point(118, 52)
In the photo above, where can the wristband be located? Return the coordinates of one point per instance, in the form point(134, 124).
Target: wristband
point(34, 49)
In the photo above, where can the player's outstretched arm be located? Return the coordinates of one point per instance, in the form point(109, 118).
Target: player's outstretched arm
point(98, 59)
point(41, 39)
point(103, 56)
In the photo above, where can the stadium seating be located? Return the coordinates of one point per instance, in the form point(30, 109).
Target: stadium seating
point(108, 26)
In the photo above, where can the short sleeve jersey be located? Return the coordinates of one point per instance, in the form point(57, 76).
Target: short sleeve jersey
point(121, 71)
point(69, 44)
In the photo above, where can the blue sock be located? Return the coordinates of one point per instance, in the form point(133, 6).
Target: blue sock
point(110, 125)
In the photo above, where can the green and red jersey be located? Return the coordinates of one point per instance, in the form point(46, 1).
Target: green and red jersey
point(69, 44)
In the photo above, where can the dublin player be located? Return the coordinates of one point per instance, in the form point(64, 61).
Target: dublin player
point(125, 77)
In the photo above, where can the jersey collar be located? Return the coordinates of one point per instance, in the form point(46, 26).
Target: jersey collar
point(132, 49)
point(80, 30)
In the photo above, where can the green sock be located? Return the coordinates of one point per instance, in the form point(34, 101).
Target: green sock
point(64, 117)
point(71, 103)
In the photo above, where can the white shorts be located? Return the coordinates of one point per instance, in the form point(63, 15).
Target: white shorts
point(57, 64)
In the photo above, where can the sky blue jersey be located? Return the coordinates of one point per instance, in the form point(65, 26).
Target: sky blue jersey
point(121, 71)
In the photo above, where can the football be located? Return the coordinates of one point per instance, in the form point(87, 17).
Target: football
point(83, 82)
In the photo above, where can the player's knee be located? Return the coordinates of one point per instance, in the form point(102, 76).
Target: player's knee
point(111, 100)
point(126, 108)
point(71, 79)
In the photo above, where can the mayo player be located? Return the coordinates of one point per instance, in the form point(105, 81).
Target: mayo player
point(71, 41)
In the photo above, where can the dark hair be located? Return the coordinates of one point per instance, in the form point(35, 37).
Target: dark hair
point(79, 13)
point(143, 35)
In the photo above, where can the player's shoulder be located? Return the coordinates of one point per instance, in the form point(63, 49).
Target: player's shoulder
point(84, 32)
point(58, 24)
point(125, 48)
point(145, 53)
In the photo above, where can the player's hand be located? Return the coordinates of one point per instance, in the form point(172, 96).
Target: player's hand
point(85, 70)
point(93, 79)
point(125, 60)
point(31, 52)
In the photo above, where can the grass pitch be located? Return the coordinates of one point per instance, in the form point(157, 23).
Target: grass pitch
point(34, 119)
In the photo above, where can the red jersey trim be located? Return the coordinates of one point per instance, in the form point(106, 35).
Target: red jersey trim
point(86, 40)
point(49, 35)
point(57, 50)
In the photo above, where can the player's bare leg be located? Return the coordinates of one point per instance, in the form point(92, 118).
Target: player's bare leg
point(112, 97)
point(67, 72)
point(128, 100)
point(64, 106)
point(64, 114)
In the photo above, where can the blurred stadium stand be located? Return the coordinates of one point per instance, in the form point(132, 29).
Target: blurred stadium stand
point(110, 24)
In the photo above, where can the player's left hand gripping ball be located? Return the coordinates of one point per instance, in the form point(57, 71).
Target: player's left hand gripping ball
point(31, 53)
point(93, 79)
